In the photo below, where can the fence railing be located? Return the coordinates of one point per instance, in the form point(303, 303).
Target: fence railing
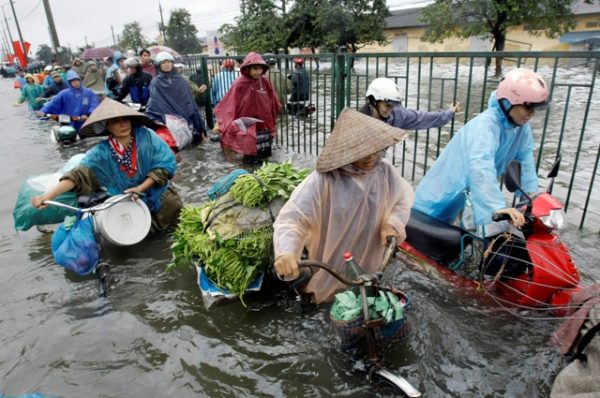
point(432, 81)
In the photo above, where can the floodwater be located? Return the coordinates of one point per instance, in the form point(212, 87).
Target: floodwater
point(153, 337)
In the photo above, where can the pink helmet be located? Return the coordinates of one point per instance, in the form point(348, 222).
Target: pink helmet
point(523, 87)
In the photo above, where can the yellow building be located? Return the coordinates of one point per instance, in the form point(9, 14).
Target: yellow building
point(404, 32)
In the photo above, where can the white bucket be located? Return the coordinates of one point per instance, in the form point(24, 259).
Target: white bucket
point(125, 223)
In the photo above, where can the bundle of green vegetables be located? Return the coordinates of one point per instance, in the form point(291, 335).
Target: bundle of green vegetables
point(232, 235)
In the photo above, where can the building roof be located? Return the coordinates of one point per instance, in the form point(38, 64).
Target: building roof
point(581, 8)
point(404, 18)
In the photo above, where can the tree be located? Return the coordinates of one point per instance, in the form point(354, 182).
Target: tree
point(44, 53)
point(352, 23)
point(260, 28)
point(132, 37)
point(302, 27)
point(310, 23)
point(181, 33)
point(466, 18)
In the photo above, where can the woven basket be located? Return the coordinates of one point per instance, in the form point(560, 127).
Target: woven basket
point(396, 330)
point(350, 332)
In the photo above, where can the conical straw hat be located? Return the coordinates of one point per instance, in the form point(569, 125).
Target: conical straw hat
point(354, 137)
point(110, 109)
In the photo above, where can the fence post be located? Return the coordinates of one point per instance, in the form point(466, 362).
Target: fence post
point(340, 83)
point(210, 123)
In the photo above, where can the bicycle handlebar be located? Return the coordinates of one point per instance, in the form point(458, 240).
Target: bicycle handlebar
point(332, 272)
point(93, 209)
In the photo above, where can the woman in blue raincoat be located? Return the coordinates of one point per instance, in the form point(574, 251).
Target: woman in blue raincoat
point(478, 154)
point(133, 159)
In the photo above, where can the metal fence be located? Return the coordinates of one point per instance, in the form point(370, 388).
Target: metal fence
point(432, 81)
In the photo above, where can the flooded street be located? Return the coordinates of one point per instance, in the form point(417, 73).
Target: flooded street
point(153, 337)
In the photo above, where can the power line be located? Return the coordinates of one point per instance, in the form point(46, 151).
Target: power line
point(32, 10)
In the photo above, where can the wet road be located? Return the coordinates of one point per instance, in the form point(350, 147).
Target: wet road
point(152, 337)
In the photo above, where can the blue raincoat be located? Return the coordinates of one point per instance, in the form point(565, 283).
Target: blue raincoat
point(72, 101)
point(152, 154)
point(54, 89)
point(473, 161)
point(221, 84)
point(170, 94)
point(109, 72)
point(48, 81)
point(412, 119)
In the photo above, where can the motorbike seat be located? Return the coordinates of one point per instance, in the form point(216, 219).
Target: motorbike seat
point(85, 201)
point(435, 239)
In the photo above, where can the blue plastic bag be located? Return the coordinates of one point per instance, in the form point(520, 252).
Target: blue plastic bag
point(221, 187)
point(75, 248)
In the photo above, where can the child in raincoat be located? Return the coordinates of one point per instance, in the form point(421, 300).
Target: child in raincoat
point(31, 92)
point(354, 201)
point(250, 96)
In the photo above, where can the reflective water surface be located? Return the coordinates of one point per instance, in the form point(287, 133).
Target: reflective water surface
point(153, 337)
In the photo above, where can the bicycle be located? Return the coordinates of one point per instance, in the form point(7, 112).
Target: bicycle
point(369, 285)
point(93, 206)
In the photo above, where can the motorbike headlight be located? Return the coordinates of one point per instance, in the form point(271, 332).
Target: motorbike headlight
point(554, 220)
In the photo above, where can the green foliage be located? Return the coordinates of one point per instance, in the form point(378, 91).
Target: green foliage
point(235, 262)
point(132, 37)
point(44, 53)
point(181, 32)
point(260, 28)
point(329, 24)
point(352, 23)
point(303, 29)
point(466, 18)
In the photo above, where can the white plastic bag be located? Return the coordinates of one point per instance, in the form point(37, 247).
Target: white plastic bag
point(180, 130)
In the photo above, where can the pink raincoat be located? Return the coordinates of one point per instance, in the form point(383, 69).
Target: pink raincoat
point(342, 210)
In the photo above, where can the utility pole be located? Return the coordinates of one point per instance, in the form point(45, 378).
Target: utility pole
point(162, 24)
point(18, 29)
point(52, 29)
point(85, 38)
point(113, 36)
point(7, 28)
point(5, 44)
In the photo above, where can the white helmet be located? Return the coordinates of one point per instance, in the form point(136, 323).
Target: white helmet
point(163, 56)
point(384, 89)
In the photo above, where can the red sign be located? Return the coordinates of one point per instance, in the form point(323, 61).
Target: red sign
point(19, 52)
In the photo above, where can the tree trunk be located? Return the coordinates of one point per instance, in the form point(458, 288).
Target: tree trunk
point(499, 42)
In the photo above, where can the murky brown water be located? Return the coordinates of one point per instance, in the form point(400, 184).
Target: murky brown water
point(152, 336)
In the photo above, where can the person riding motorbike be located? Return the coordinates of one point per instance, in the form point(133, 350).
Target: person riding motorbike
point(171, 95)
point(385, 103)
point(57, 85)
point(136, 84)
point(132, 159)
point(469, 167)
point(76, 101)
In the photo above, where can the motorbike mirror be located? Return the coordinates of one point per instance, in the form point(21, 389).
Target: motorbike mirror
point(554, 169)
point(512, 176)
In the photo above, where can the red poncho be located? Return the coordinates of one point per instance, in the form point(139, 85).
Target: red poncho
point(248, 97)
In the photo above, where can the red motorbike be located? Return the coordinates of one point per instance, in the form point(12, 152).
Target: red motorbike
point(534, 271)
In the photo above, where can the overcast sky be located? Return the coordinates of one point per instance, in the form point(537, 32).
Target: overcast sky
point(77, 20)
